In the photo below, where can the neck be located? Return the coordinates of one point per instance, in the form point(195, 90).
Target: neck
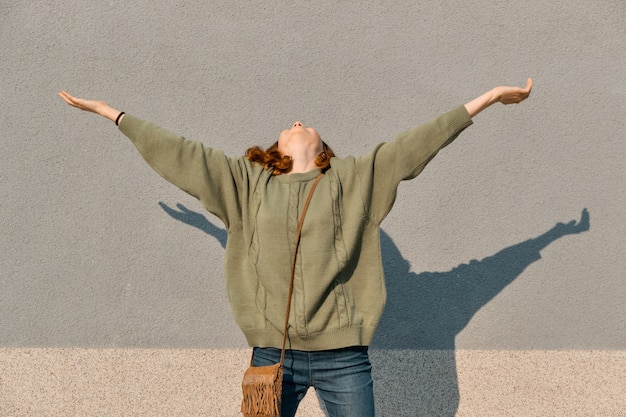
point(301, 166)
point(303, 161)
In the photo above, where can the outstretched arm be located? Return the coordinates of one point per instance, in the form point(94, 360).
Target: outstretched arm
point(94, 106)
point(204, 172)
point(502, 94)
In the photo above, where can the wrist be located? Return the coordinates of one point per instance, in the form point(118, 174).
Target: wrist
point(495, 95)
point(109, 112)
point(119, 118)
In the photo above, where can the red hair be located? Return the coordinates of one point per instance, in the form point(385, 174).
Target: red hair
point(273, 159)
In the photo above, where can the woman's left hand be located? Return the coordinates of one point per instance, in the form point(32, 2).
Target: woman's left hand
point(502, 94)
point(513, 95)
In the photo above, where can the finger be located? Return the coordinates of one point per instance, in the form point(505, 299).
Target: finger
point(65, 96)
point(69, 99)
point(529, 85)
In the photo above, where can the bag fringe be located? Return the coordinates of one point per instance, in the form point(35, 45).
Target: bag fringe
point(260, 399)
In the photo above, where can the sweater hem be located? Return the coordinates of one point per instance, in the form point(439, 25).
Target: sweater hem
point(327, 340)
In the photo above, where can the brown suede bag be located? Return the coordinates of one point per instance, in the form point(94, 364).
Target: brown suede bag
point(262, 391)
point(263, 385)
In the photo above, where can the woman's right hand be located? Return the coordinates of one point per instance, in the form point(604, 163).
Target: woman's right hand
point(93, 106)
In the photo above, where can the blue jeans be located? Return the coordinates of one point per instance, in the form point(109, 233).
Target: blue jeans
point(342, 379)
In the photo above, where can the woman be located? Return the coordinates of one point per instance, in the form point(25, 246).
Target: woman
point(339, 290)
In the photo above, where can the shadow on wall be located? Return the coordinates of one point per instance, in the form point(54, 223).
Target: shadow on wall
point(443, 303)
point(424, 313)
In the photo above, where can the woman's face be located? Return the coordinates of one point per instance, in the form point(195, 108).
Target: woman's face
point(298, 139)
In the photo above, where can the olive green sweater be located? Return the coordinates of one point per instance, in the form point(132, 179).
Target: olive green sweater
point(339, 288)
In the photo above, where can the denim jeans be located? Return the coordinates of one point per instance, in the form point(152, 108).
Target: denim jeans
point(342, 379)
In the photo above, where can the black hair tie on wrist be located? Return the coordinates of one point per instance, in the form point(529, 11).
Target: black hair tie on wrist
point(117, 121)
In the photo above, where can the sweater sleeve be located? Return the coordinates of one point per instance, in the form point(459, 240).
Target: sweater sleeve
point(404, 158)
point(201, 171)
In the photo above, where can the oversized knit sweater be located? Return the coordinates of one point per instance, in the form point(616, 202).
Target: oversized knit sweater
point(339, 288)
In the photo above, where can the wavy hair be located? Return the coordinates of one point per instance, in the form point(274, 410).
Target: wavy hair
point(272, 159)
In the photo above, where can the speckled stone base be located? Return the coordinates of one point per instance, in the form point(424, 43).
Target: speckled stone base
point(155, 382)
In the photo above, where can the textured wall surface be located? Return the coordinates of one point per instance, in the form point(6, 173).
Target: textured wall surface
point(104, 266)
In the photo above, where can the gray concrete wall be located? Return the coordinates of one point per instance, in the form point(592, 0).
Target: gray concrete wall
point(98, 254)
